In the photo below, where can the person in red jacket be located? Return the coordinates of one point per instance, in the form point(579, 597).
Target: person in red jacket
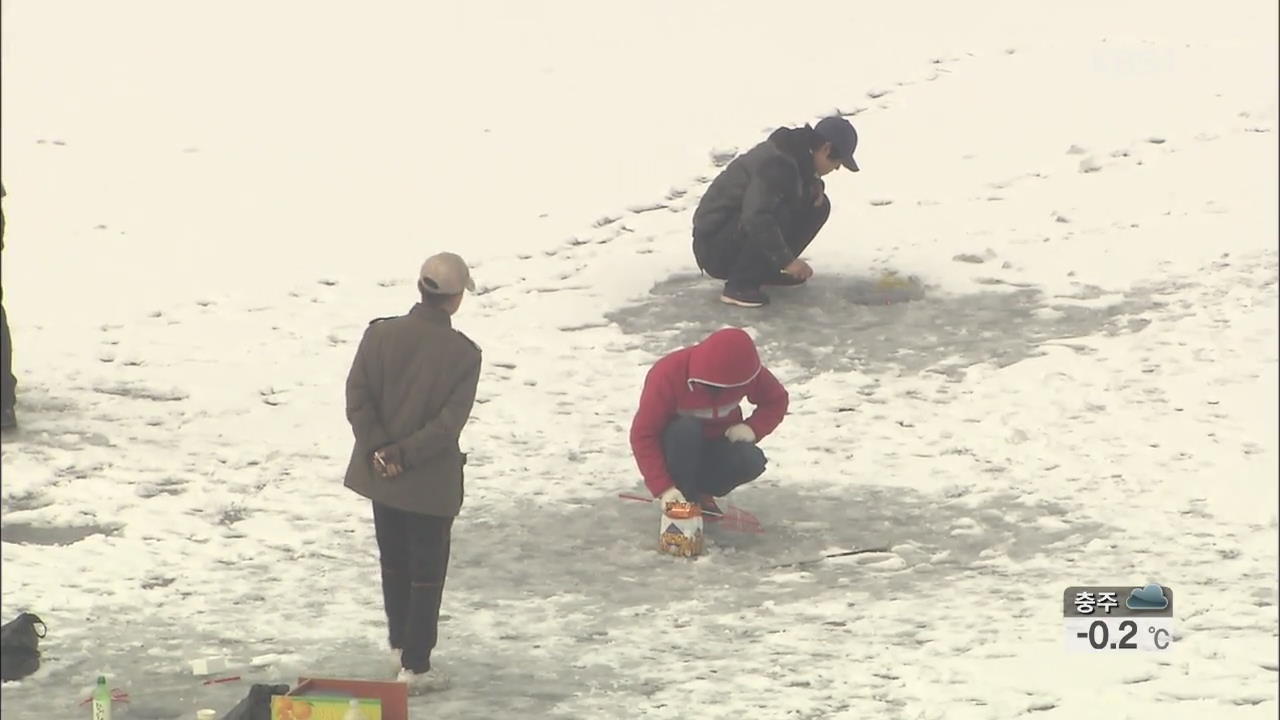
point(689, 436)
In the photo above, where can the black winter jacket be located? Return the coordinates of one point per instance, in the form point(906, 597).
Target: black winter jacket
point(752, 197)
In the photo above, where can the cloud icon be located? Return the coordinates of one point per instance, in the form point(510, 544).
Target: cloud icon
point(1150, 597)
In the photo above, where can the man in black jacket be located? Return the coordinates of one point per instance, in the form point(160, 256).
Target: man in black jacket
point(764, 209)
point(8, 383)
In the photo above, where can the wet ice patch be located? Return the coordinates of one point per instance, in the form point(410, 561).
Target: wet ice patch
point(882, 324)
point(25, 534)
point(141, 391)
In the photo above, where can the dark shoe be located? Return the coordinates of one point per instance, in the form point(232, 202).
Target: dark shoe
point(748, 297)
point(8, 420)
point(709, 506)
point(784, 280)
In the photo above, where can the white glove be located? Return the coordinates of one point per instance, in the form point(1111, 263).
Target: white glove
point(741, 432)
point(670, 495)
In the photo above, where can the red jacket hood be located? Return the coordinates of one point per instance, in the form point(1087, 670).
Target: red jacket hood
point(726, 358)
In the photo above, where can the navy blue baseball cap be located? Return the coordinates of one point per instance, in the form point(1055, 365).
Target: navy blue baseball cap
point(843, 138)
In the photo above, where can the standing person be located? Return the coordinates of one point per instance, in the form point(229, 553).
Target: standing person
point(766, 206)
point(409, 394)
point(689, 437)
point(8, 383)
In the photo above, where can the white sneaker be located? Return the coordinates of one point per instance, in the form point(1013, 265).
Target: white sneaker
point(432, 680)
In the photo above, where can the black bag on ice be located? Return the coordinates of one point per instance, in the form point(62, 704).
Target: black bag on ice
point(257, 704)
point(20, 646)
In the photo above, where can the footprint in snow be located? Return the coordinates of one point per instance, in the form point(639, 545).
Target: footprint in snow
point(723, 156)
point(271, 396)
point(1090, 165)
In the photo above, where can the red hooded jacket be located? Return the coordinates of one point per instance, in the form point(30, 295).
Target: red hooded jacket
point(707, 381)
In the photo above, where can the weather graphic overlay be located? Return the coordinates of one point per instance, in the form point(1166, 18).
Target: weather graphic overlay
point(1116, 618)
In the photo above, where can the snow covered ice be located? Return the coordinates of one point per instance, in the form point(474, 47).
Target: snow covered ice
point(207, 204)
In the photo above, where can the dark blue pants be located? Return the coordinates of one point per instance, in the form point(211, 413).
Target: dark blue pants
point(414, 552)
point(708, 466)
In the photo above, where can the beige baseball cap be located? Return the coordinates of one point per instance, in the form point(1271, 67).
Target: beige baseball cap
point(446, 274)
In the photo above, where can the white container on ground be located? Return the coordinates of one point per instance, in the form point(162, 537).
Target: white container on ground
point(680, 530)
point(265, 660)
point(209, 665)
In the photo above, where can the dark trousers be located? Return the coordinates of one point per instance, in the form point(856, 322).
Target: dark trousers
point(736, 257)
point(8, 383)
point(414, 553)
point(708, 466)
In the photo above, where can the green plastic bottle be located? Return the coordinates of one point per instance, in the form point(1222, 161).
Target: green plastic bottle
point(102, 700)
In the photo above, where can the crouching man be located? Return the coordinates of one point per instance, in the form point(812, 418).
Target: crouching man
point(689, 437)
point(765, 208)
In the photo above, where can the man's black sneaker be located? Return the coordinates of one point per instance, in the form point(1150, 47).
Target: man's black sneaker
point(748, 297)
point(784, 280)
